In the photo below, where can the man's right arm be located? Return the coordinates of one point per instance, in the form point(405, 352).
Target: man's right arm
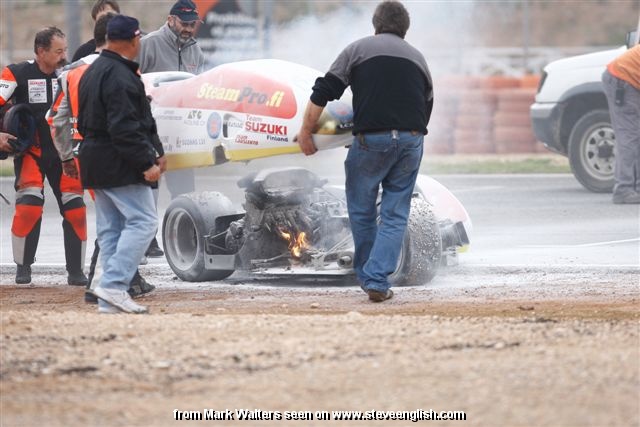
point(309, 122)
point(62, 135)
point(61, 120)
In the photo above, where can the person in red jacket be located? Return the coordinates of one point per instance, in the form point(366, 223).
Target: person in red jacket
point(33, 83)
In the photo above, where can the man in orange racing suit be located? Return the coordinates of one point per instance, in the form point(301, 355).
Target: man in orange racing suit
point(32, 83)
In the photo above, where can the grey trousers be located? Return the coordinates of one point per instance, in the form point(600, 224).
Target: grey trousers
point(625, 119)
point(180, 181)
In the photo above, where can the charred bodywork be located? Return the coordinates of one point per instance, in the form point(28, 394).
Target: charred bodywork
point(293, 220)
point(290, 221)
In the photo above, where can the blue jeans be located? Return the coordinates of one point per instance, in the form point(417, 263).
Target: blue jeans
point(374, 160)
point(126, 221)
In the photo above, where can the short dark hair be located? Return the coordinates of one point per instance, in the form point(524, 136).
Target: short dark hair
point(391, 17)
point(100, 29)
point(44, 37)
point(99, 5)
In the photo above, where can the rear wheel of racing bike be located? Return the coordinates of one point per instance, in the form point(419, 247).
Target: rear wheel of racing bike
point(187, 220)
point(421, 249)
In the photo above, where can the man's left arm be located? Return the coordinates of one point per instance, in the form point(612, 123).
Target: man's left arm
point(4, 142)
point(201, 61)
point(161, 160)
point(124, 123)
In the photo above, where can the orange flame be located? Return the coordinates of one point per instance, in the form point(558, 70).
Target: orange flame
point(296, 245)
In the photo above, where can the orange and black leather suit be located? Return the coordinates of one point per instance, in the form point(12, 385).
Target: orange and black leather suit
point(24, 83)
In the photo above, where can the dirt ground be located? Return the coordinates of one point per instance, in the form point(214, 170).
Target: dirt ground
point(513, 348)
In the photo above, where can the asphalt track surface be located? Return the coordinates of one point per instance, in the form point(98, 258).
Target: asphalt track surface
point(519, 221)
point(537, 325)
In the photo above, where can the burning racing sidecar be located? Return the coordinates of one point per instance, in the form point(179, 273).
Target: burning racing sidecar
point(292, 221)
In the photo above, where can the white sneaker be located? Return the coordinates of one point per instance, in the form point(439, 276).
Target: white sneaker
point(106, 308)
point(119, 299)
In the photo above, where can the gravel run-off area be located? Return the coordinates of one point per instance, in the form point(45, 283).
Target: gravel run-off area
point(509, 347)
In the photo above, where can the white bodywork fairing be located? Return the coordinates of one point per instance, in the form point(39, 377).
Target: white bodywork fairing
point(252, 109)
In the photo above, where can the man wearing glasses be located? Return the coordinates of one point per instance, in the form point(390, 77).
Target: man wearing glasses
point(173, 48)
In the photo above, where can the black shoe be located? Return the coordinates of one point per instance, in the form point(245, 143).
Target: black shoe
point(154, 250)
point(139, 286)
point(90, 298)
point(77, 278)
point(378, 296)
point(631, 198)
point(23, 274)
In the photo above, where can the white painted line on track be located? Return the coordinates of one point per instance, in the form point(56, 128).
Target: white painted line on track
point(584, 245)
point(485, 188)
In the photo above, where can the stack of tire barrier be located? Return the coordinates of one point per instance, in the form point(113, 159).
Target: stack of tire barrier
point(483, 115)
point(474, 130)
point(442, 124)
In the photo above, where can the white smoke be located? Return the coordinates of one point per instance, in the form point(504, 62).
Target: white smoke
point(439, 29)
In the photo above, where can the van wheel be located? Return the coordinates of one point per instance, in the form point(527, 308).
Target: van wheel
point(591, 151)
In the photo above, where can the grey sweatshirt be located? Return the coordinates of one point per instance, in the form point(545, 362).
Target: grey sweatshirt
point(160, 50)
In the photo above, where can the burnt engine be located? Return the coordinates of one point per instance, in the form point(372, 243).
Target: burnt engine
point(290, 218)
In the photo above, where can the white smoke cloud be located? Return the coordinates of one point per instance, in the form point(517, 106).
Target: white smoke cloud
point(439, 29)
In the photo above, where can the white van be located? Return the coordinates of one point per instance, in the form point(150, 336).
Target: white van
point(571, 116)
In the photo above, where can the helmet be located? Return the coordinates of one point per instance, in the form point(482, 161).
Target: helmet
point(19, 122)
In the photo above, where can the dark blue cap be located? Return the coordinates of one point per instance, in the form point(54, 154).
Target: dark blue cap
point(185, 10)
point(122, 27)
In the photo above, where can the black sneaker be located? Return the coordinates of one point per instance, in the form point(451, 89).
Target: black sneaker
point(378, 296)
point(90, 298)
point(139, 286)
point(154, 250)
point(23, 274)
point(631, 198)
point(77, 278)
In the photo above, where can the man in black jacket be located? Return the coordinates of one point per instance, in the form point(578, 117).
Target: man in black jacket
point(100, 8)
point(119, 161)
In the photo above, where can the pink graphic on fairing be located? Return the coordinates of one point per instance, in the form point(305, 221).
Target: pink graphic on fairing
point(230, 90)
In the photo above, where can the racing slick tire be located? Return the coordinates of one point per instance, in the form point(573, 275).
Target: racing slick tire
point(421, 249)
point(591, 151)
point(187, 220)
